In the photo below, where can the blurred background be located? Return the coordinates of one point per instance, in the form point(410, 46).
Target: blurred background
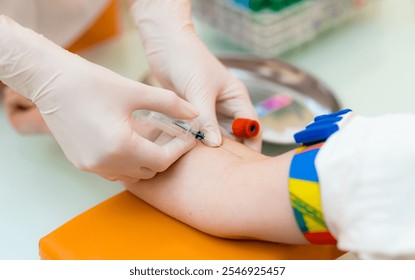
point(322, 54)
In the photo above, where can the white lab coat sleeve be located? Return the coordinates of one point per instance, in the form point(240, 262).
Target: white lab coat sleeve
point(367, 180)
point(61, 21)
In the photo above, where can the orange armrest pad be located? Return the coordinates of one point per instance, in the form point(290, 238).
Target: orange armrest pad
point(126, 228)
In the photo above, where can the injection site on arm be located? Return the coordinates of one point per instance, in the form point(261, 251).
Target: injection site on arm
point(188, 129)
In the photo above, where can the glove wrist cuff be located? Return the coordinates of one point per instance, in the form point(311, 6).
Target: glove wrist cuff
point(160, 18)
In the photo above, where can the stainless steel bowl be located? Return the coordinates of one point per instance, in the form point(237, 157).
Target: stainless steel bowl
point(270, 79)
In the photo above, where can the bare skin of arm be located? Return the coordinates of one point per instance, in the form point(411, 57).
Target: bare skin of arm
point(223, 195)
point(1, 89)
point(23, 114)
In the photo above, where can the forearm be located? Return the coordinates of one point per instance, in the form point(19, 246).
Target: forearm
point(218, 193)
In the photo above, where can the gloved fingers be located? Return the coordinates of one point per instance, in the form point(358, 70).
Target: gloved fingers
point(226, 133)
point(146, 173)
point(213, 137)
point(174, 149)
point(208, 121)
point(139, 174)
point(163, 139)
point(145, 130)
point(23, 114)
point(129, 182)
point(112, 178)
point(146, 158)
point(150, 133)
point(121, 178)
point(166, 102)
point(159, 158)
point(143, 173)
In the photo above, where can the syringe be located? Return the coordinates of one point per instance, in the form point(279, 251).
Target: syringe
point(176, 127)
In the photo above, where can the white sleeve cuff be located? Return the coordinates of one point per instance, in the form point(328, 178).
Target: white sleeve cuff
point(367, 178)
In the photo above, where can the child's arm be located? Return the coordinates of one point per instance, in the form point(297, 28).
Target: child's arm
point(216, 192)
point(366, 178)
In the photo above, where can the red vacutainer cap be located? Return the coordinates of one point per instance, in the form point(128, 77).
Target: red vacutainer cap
point(245, 127)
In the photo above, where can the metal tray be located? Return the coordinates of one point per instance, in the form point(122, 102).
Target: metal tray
point(290, 96)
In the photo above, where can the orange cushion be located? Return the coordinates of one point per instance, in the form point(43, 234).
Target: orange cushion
point(105, 27)
point(125, 227)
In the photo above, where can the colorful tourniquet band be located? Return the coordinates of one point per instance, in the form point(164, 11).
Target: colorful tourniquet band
point(305, 195)
point(303, 181)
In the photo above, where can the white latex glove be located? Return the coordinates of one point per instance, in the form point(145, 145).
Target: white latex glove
point(88, 108)
point(367, 181)
point(181, 62)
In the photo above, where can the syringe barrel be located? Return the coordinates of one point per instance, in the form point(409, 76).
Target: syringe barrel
point(175, 127)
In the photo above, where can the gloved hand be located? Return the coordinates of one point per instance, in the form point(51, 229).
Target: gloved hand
point(23, 114)
point(181, 62)
point(88, 108)
point(367, 189)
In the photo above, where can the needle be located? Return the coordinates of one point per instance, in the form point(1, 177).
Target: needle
point(223, 148)
point(178, 128)
point(199, 135)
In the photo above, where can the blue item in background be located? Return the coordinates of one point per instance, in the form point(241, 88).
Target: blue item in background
point(258, 5)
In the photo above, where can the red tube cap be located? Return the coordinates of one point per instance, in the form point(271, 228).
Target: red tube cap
point(245, 128)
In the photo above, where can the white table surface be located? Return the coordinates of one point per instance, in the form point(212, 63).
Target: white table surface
point(368, 63)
